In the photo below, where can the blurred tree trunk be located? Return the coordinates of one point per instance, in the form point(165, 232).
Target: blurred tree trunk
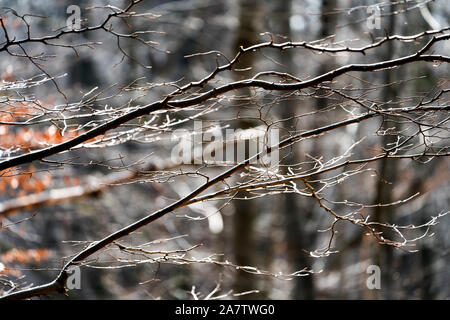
point(294, 215)
point(245, 210)
point(383, 254)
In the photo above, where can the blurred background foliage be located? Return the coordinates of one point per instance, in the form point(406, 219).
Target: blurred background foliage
point(273, 233)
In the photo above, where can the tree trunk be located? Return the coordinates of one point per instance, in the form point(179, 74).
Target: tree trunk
point(245, 210)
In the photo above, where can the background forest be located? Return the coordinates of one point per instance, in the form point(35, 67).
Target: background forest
point(263, 244)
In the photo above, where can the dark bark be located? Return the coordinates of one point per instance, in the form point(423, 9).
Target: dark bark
point(245, 210)
point(384, 256)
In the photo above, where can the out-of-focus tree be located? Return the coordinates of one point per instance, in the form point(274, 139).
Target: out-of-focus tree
point(343, 157)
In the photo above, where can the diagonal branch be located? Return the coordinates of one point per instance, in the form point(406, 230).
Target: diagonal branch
point(58, 284)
